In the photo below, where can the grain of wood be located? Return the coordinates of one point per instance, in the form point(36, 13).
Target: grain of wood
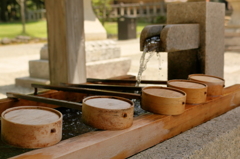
point(215, 84)
point(163, 100)
point(66, 41)
point(196, 92)
point(31, 126)
point(147, 130)
point(108, 112)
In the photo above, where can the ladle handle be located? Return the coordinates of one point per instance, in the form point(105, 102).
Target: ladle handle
point(94, 80)
point(61, 103)
point(105, 87)
point(88, 91)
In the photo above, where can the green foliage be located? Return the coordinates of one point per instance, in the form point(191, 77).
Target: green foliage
point(39, 29)
point(160, 20)
point(111, 27)
point(102, 8)
point(35, 4)
point(10, 9)
point(34, 29)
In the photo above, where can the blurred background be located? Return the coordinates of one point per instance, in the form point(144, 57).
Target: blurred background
point(24, 22)
point(31, 26)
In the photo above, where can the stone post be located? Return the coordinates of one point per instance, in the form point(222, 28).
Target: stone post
point(68, 48)
point(93, 28)
point(66, 45)
point(209, 57)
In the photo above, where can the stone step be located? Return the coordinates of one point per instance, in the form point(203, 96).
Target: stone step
point(232, 48)
point(99, 69)
point(27, 81)
point(232, 41)
point(108, 68)
point(39, 69)
point(95, 50)
point(44, 52)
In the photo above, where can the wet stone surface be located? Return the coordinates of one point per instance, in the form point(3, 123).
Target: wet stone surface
point(137, 108)
point(7, 151)
point(72, 124)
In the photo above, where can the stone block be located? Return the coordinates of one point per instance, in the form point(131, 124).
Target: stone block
point(6, 41)
point(108, 68)
point(27, 81)
point(98, 69)
point(44, 52)
point(208, 58)
point(232, 41)
point(180, 37)
point(39, 69)
point(93, 29)
point(95, 50)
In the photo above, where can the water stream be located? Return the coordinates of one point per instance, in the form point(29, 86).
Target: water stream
point(151, 47)
point(159, 64)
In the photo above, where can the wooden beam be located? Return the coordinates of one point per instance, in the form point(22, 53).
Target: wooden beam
point(65, 23)
point(69, 96)
point(147, 130)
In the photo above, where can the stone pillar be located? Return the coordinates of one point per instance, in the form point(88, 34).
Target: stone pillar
point(235, 17)
point(66, 45)
point(93, 28)
point(209, 57)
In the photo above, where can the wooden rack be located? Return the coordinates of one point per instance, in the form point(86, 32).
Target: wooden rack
point(147, 130)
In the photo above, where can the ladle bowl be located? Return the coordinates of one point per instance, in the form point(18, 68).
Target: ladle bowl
point(196, 91)
point(107, 112)
point(215, 84)
point(163, 100)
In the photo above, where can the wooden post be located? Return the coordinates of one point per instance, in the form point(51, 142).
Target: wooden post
point(22, 6)
point(128, 11)
point(154, 10)
point(66, 41)
point(141, 4)
point(162, 12)
point(135, 11)
point(121, 9)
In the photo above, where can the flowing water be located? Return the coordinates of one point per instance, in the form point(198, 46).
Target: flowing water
point(143, 65)
point(151, 47)
point(159, 64)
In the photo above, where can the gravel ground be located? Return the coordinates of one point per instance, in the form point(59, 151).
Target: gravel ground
point(14, 63)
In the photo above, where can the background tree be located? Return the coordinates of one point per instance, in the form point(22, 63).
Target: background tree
point(10, 10)
point(23, 17)
point(102, 8)
point(3, 9)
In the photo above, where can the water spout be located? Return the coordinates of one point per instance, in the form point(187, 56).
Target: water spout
point(173, 38)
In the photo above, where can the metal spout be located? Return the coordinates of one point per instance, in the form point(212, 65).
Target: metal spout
point(176, 37)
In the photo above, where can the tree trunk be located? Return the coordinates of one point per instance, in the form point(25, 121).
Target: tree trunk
point(23, 16)
point(3, 10)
